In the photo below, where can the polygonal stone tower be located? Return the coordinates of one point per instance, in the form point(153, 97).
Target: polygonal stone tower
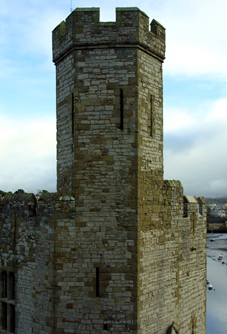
point(139, 256)
point(109, 97)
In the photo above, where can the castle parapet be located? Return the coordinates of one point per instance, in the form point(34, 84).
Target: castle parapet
point(27, 205)
point(83, 28)
point(188, 206)
point(194, 206)
point(22, 205)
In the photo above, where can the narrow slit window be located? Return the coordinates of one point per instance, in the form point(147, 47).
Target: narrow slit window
point(97, 282)
point(12, 286)
point(105, 327)
point(4, 316)
point(4, 284)
point(7, 316)
point(193, 224)
point(151, 115)
point(193, 326)
point(121, 109)
point(73, 113)
point(12, 319)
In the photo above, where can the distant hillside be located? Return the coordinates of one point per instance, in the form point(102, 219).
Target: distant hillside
point(216, 200)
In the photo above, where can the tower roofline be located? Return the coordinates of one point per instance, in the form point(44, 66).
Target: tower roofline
point(83, 28)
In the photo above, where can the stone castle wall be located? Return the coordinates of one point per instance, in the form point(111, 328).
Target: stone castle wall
point(27, 251)
point(117, 249)
point(55, 260)
point(171, 253)
point(172, 262)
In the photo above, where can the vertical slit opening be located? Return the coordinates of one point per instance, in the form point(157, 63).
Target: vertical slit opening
point(4, 284)
point(4, 316)
point(97, 282)
point(121, 109)
point(12, 319)
point(105, 327)
point(73, 112)
point(12, 286)
point(151, 115)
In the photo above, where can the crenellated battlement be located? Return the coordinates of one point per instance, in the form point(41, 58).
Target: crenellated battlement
point(83, 28)
point(194, 206)
point(28, 205)
point(22, 205)
point(172, 191)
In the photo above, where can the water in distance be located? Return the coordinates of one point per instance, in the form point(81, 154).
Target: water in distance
point(216, 319)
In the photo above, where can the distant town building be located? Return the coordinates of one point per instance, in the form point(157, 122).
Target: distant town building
point(216, 214)
point(117, 249)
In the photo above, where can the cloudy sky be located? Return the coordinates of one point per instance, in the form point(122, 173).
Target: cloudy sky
point(195, 108)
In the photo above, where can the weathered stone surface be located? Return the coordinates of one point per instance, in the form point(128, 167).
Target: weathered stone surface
point(117, 248)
